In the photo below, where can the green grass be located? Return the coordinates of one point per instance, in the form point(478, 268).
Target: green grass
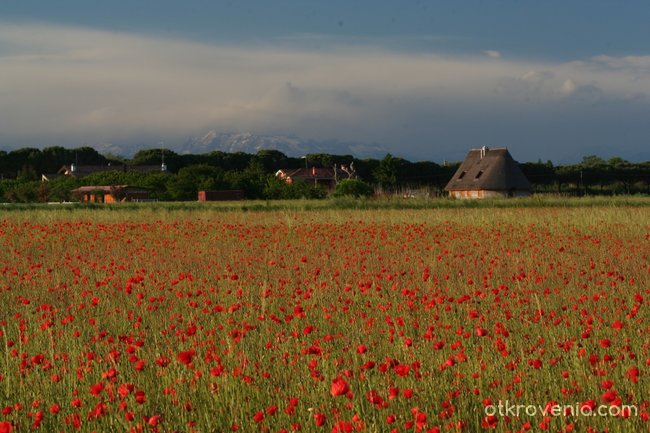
point(538, 201)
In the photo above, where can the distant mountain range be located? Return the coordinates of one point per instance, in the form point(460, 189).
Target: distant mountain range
point(290, 145)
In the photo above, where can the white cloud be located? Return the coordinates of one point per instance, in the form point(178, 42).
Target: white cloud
point(568, 87)
point(81, 85)
point(636, 63)
point(531, 86)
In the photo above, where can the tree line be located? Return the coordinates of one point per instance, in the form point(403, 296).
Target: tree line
point(186, 174)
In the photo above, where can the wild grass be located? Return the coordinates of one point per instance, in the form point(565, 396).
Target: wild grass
point(103, 306)
point(347, 203)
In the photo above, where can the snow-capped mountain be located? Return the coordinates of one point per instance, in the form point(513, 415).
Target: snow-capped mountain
point(211, 141)
point(289, 145)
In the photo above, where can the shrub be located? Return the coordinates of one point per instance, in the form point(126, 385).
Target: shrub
point(278, 189)
point(353, 188)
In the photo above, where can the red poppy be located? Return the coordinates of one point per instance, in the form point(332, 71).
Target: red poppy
point(609, 396)
point(272, 410)
point(342, 427)
point(617, 325)
point(375, 398)
point(633, 373)
point(420, 420)
point(140, 396)
point(339, 387)
point(186, 357)
point(319, 419)
point(490, 422)
point(97, 388)
point(402, 370)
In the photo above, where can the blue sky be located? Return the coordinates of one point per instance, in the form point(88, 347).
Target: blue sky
point(425, 79)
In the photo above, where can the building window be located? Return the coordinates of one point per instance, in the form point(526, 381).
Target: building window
point(479, 174)
point(462, 175)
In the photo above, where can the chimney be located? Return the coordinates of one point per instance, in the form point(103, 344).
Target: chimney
point(484, 150)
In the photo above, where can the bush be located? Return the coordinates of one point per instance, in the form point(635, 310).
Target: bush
point(278, 189)
point(353, 188)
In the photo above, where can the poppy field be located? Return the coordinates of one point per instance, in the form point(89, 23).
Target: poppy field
point(332, 321)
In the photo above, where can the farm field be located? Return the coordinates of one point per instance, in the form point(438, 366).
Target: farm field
point(332, 320)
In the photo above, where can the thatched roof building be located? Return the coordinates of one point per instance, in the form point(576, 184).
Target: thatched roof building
point(111, 193)
point(488, 173)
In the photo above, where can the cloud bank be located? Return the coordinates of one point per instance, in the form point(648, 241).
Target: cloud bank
point(69, 86)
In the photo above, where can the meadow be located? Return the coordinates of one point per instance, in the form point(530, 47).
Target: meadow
point(463, 318)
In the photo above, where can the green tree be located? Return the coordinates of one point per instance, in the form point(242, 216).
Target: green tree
point(422, 173)
point(237, 160)
point(190, 180)
point(4, 165)
point(593, 169)
point(622, 174)
point(27, 173)
point(15, 191)
point(27, 160)
point(353, 188)
point(173, 161)
point(60, 189)
point(270, 160)
point(386, 173)
point(252, 180)
point(278, 189)
point(541, 175)
point(157, 183)
point(592, 161)
point(54, 158)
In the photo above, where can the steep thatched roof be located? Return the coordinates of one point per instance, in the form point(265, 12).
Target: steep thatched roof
point(488, 169)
